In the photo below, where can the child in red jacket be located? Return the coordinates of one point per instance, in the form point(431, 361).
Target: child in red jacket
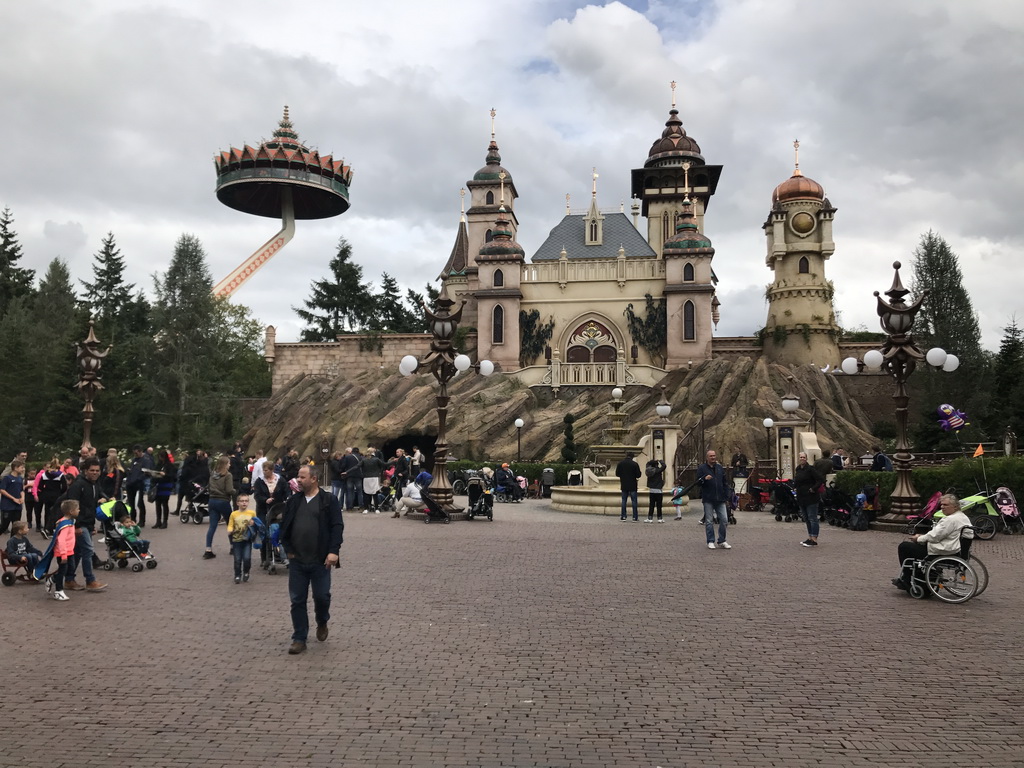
point(64, 547)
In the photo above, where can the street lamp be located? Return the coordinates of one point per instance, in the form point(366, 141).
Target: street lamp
point(790, 403)
point(519, 439)
point(768, 424)
point(663, 407)
point(444, 365)
point(90, 359)
point(899, 357)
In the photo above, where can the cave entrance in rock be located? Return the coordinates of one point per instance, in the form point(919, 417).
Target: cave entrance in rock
point(426, 444)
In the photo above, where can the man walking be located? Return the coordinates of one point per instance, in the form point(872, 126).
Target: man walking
point(86, 491)
point(628, 472)
point(311, 533)
point(135, 484)
point(714, 493)
point(352, 477)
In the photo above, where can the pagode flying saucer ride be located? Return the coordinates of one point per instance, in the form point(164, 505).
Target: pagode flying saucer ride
point(281, 178)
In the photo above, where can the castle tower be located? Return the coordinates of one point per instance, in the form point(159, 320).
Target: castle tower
point(500, 268)
point(690, 302)
point(485, 189)
point(455, 275)
point(674, 170)
point(801, 326)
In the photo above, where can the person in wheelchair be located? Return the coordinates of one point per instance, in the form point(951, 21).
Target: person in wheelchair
point(505, 482)
point(942, 539)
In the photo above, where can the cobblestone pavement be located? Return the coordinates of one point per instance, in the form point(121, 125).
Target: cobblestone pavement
point(541, 639)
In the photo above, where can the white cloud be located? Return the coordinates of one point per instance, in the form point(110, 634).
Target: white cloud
point(904, 112)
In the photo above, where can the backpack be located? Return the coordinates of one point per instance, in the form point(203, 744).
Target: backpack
point(858, 518)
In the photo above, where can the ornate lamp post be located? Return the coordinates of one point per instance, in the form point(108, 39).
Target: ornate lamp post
point(443, 362)
point(519, 439)
point(768, 424)
point(90, 359)
point(899, 357)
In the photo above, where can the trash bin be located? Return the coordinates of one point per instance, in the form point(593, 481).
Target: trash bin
point(575, 477)
point(547, 479)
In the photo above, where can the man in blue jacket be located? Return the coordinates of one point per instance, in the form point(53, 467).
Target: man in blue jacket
point(311, 534)
point(714, 493)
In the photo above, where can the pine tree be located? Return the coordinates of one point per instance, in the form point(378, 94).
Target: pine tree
point(184, 314)
point(341, 304)
point(108, 297)
point(390, 312)
point(947, 319)
point(58, 322)
point(15, 281)
point(1007, 408)
point(16, 376)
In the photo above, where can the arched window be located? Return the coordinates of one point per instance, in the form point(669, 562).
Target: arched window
point(499, 278)
point(665, 232)
point(490, 198)
point(689, 330)
point(489, 236)
point(688, 273)
point(593, 231)
point(805, 265)
point(498, 325)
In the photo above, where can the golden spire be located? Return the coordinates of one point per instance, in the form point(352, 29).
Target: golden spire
point(566, 203)
point(593, 192)
point(462, 194)
point(493, 113)
point(796, 152)
point(673, 86)
point(501, 178)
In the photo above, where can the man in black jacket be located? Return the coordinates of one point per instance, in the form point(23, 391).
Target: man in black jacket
point(311, 534)
point(135, 483)
point(714, 493)
point(628, 472)
point(86, 491)
point(351, 471)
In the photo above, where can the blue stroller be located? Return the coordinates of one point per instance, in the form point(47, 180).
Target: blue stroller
point(271, 540)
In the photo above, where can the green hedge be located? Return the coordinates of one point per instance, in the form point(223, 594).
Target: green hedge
point(964, 475)
point(530, 470)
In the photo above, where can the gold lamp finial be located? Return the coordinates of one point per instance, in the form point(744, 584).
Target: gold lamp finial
point(796, 152)
point(673, 86)
point(501, 179)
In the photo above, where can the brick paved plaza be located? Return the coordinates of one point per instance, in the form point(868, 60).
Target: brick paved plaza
point(541, 639)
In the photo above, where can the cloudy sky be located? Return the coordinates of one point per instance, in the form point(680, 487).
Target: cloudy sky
point(908, 113)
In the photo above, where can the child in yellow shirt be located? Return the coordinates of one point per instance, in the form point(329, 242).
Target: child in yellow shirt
point(241, 529)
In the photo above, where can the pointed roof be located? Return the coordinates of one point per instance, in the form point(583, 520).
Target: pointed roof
point(459, 259)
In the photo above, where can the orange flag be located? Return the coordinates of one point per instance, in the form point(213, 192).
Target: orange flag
point(980, 451)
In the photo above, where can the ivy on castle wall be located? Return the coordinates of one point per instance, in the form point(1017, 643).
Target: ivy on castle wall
point(650, 332)
point(533, 336)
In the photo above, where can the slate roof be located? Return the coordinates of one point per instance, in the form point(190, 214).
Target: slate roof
point(459, 259)
point(570, 232)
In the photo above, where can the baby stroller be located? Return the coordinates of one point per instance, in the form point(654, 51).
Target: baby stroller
point(731, 506)
point(198, 506)
point(836, 506)
point(922, 521)
point(384, 499)
point(1008, 510)
point(272, 541)
point(120, 552)
point(481, 502)
point(434, 511)
point(785, 501)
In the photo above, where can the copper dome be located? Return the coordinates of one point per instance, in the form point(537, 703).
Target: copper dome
point(798, 187)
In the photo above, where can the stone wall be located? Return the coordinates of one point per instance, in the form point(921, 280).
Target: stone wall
point(336, 358)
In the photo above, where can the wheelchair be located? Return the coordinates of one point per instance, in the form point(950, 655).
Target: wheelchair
point(950, 578)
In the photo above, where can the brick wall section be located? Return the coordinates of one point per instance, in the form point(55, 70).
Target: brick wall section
point(335, 358)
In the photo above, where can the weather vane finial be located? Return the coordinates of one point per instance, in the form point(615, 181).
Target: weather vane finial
point(462, 194)
point(593, 192)
point(796, 153)
point(493, 113)
point(673, 86)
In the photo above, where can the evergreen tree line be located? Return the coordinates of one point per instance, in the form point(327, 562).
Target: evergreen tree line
point(344, 304)
point(987, 386)
point(177, 365)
